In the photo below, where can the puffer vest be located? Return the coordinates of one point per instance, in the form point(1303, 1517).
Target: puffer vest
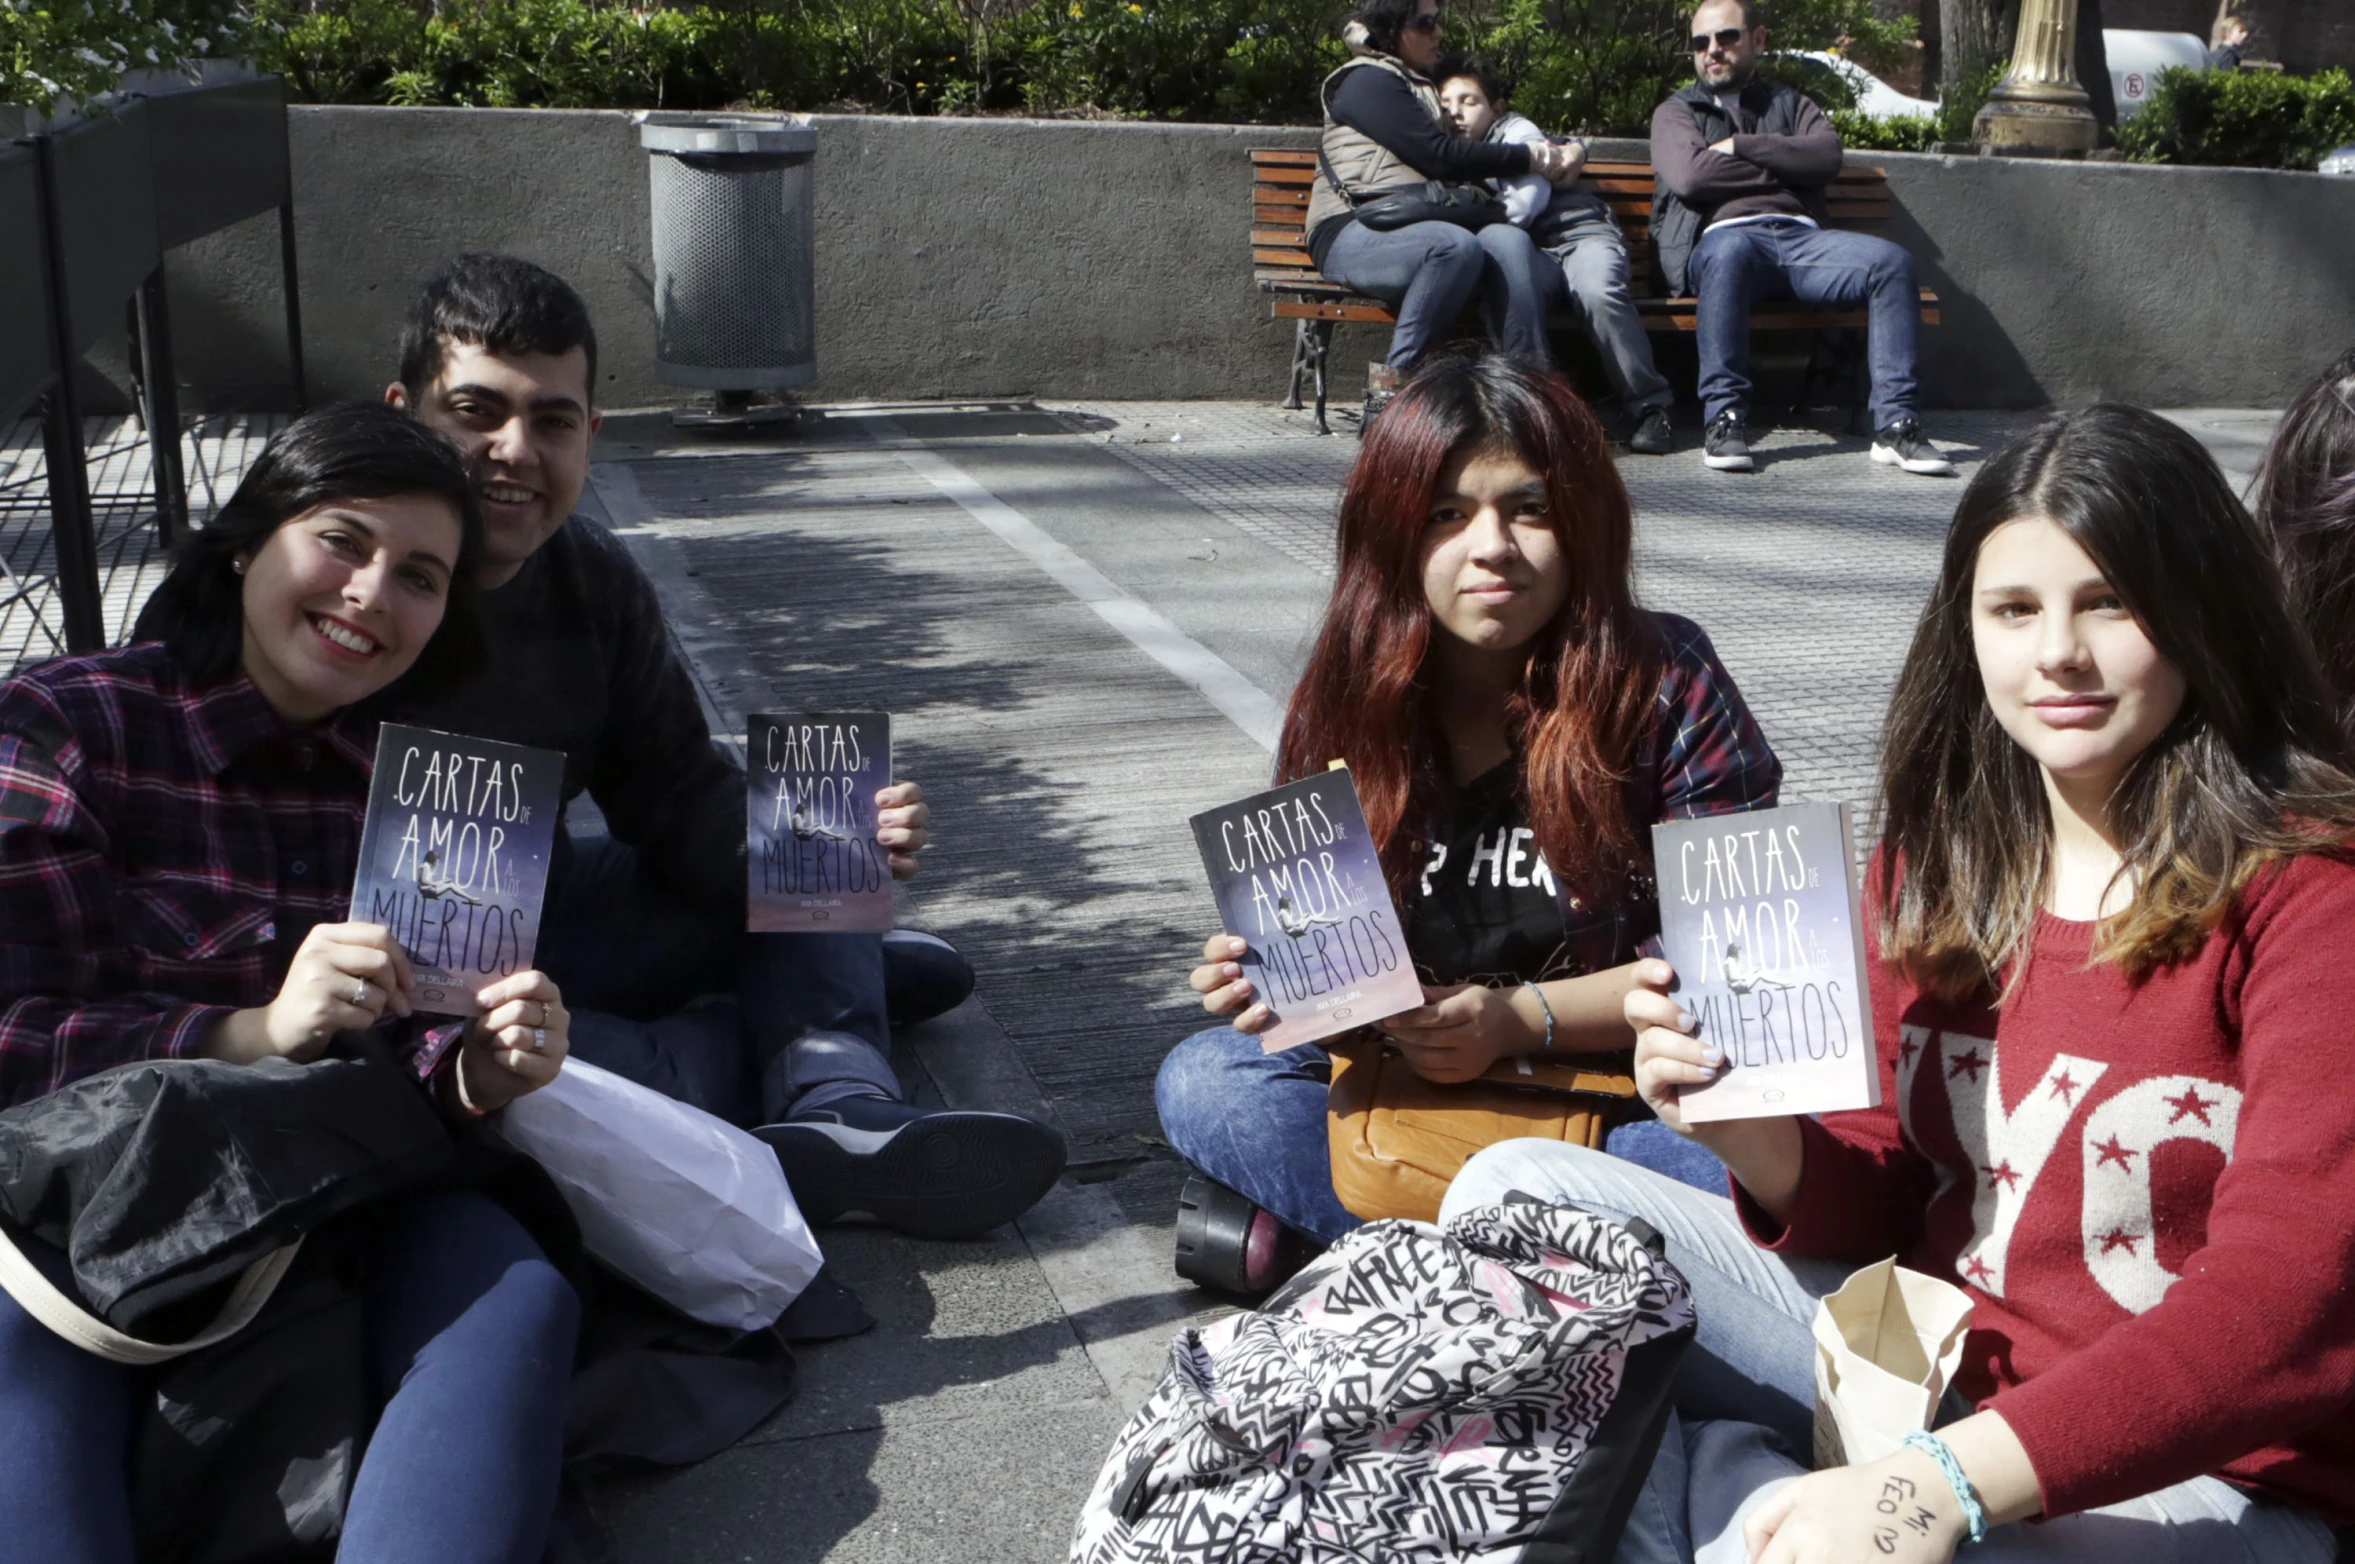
point(1364, 166)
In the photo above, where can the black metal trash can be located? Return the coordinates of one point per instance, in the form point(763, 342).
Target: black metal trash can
point(735, 298)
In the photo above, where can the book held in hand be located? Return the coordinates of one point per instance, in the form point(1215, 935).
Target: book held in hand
point(812, 859)
point(1759, 916)
point(1297, 877)
point(454, 857)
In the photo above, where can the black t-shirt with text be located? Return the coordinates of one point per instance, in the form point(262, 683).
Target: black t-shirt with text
point(1484, 909)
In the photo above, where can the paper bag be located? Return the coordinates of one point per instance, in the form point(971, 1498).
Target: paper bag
point(686, 1205)
point(1886, 1346)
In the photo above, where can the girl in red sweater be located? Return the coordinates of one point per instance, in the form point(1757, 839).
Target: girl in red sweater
point(2109, 912)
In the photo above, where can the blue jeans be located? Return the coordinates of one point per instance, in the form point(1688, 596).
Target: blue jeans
point(1591, 256)
point(1429, 273)
point(1745, 1397)
point(1255, 1122)
point(1735, 268)
point(470, 1336)
point(630, 954)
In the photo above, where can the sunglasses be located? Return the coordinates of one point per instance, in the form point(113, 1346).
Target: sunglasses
point(1431, 24)
point(1727, 37)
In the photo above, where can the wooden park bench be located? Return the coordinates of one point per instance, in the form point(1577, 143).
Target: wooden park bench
point(1280, 180)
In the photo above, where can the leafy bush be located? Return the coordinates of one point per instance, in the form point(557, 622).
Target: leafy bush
point(1592, 65)
point(1860, 132)
point(54, 51)
point(1920, 132)
point(2248, 119)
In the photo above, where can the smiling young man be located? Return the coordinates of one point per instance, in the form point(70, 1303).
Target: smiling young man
point(1739, 215)
point(500, 356)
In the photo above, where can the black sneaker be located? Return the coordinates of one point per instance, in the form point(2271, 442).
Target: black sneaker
point(931, 1173)
point(1652, 436)
point(1904, 445)
point(1723, 449)
point(1375, 402)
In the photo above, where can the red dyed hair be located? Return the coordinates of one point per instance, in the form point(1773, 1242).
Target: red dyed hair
point(1593, 673)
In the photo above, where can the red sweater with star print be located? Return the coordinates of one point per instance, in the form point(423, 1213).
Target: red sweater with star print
point(2148, 1189)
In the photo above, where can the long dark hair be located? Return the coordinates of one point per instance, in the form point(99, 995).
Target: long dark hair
point(2305, 497)
point(2252, 770)
point(1592, 674)
point(1383, 21)
point(358, 451)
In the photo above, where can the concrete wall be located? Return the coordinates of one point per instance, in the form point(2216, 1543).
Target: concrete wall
point(996, 257)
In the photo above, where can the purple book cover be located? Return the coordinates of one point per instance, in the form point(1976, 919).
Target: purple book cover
point(454, 857)
point(812, 861)
point(1296, 876)
point(1759, 916)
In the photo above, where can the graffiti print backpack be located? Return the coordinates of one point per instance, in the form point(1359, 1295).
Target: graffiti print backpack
point(1491, 1391)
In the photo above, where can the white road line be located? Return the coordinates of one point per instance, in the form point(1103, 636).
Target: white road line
point(1243, 703)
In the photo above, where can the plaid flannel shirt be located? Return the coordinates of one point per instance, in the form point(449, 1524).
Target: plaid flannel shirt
point(1705, 755)
point(164, 849)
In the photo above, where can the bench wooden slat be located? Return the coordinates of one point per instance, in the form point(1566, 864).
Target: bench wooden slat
point(1267, 174)
point(1278, 195)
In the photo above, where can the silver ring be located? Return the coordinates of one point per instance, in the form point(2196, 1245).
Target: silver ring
point(360, 994)
point(543, 1004)
point(539, 1039)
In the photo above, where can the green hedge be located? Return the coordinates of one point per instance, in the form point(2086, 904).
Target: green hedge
point(1593, 65)
point(62, 50)
point(2246, 119)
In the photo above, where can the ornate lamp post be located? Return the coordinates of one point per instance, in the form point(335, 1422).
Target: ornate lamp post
point(2038, 109)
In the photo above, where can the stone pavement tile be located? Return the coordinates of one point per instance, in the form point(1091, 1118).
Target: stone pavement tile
point(961, 1330)
point(1000, 1487)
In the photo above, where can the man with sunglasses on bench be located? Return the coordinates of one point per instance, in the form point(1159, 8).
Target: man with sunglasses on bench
point(1739, 215)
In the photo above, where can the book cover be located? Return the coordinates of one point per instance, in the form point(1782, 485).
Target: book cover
point(1297, 877)
point(454, 857)
point(1759, 916)
point(812, 860)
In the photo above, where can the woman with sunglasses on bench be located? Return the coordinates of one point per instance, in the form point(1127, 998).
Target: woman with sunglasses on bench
point(1385, 133)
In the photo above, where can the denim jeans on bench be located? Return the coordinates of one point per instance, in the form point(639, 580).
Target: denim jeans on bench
point(1735, 268)
point(1429, 272)
point(630, 954)
point(1745, 1396)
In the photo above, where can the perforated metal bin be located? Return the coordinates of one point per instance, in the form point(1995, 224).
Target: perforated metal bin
point(735, 302)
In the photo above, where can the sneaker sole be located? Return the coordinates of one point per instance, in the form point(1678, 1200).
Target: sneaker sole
point(1941, 468)
point(1728, 463)
point(952, 1175)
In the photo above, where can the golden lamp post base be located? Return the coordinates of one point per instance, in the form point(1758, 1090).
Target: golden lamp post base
point(2030, 127)
point(2038, 109)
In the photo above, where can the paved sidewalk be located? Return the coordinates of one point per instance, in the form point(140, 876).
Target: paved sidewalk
point(1083, 618)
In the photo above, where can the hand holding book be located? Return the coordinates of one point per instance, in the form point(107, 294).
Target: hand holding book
point(1763, 1153)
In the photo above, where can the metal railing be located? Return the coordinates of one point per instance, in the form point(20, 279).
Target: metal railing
point(89, 213)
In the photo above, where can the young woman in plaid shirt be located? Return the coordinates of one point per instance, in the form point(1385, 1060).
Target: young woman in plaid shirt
point(1514, 724)
point(179, 827)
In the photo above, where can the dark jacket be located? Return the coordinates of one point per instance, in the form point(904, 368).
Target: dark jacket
point(1784, 153)
point(581, 661)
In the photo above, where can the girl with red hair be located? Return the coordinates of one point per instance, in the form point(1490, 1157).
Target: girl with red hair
point(1514, 724)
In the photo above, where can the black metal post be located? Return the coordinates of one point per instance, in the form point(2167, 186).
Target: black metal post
point(160, 406)
point(73, 538)
point(294, 305)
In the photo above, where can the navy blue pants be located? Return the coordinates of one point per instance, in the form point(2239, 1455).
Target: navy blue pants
point(1255, 1121)
point(470, 1338)
point(1734, 268)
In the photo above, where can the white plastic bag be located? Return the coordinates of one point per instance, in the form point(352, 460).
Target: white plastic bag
point(1886, 1347)
point(686, 1205)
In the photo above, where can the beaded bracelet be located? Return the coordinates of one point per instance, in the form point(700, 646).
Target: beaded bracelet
point(1935, 1448)
point(1547, 1008)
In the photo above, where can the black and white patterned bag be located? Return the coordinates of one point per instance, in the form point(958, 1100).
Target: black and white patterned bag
point(1493, 1392)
